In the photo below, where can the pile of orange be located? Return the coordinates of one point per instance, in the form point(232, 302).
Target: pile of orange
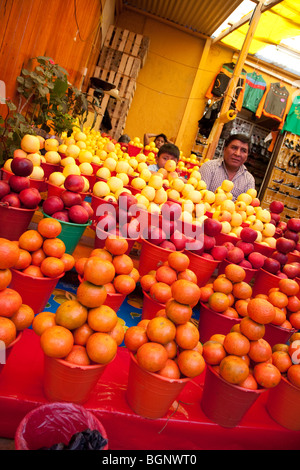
point(41, 253)
point(109, 267)
point(159, 283)
point(286, 357)
point(228, 294)
point(243, 357)
point(14, 315)
point(286, 302)
point(169, 344)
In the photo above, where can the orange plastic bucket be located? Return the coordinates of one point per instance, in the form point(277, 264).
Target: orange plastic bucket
point(224, 403)
point(8, 350)
point(211, 322)
point(202, 267)
point(150, 307)
point(54, 423)
point(151, 395)
point(151, 256)
point(35, 291)
point(264, 281)
point(64, 381)
point(250, 273)
point(283, 405)
point(15, 221)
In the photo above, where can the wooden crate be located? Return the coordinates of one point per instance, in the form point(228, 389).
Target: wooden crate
point(126, 41)
point(117, 61)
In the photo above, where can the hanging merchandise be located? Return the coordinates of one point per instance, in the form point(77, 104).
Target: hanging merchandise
point(274, 103)
point(210, 114)
point(220, 83)
point(254, 91)
point(292, 122)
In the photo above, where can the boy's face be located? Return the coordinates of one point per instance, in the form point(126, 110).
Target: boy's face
point(163, 158)
point(159, 141)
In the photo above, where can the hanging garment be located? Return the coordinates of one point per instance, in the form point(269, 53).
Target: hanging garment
point(274, 103)
point(205, 124)
point(254, 90)
point(292, 122)
point(220, 83)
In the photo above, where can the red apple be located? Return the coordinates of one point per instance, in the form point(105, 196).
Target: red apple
point(18, 183)
point(4, 189)
point(228, 245)
point(78, 214)
point(212, 227)
point(248, 235)
point(207, 256)
point(167, 245)
point(156, 235)
point(131, 229)
point(294, 224)
point(275, 217)
point(219, 252)
point(256, 259)
point(271, 265)
point(126, 200)
point(245, 246)
point(106, 222)
point(208, 242)
point(236, 255)
point(291, 235)
point(285, 245)
point(62, 215)
point(30, 198)
point(53, 204)
point(282, 225)
point(21, 166)
point(281, 257)
point(245, 264)
point(74, 183)
point(88, 208)
point(179, 240)
point(171, 210)
point(281, 275)
point(255, 202)
point(12, 199)
point(276, 207)
point(168, 227)
point(194, 245)
point(292, 270)
point(70, 198)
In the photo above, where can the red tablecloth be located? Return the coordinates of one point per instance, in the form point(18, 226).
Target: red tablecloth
point(184, 428)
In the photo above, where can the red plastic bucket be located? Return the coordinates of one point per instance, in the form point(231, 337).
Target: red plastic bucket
point(9, 349)
point(54, 423)
point(224, 403)
point(133, 150)
point(293, 258)
point(211, 322)
point(202, 267)
point(250, 273)
point(91, 179)
point(224, 237)
point(54, 190)
point(15, 221)
point(151, 257)
point(150, 307)
point(98, 201)
point(277, 335)
point(35, 291)
point(50, 168)
point(264, 281)
point(151, 395)
point(283, 405)
point(64, 381)
point(263, 249)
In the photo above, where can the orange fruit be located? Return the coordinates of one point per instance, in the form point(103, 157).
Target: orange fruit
point(152, 356)
point(102, 318)
point(161, 330)
point(144, 323)
point(217, 337)
point(213, 352)
point(31, 240)
point(289, 286)
point(280, 347)
point(71, 314)
point(187, 335)
point(49, 227)
point(231, 313)
point(294, 319)
point(161, 292)
point(24, 260)
point(166, 274)
point(236, 343)
point(116, 245)
point(5, 278)
point(178, 261)
point(90, 295)
point(134, 337)
point(42, 321)
point(56, 341)
point(278, 299)
point(186, 292)
point(251, 328)
point(52, 267)
point(242, 290)
point(117, 333)
point(34, 271)
point(54, 247)
point(261, 310)
point(280, 316)
point(9, 253)
point(79, 265)
point(109, 287)
point(98, 271)
point(267, 375)
point(68, 261)
point(295, 336)
point(147, 282)
point(235, 273)
point(171, 348)
point(206, 292)
point(37, 257)
point(82, 333)
point(124, 284)
point(293, 375)
point(234, 369)
point(221, 284)
point(190, 363)
point(134, 273)
point(282, 360)
point(101, 348)
point(260, 350)
point(23, 317)
point(10, 302)
point(8, 331)
point(249, 383)
point(102, 253)
point(177, 312)
point(241, 307)
point(188, 275)
point(170, 370)
point(78, 355)
point(218, 302)
point(123, 264)
point(293, 304)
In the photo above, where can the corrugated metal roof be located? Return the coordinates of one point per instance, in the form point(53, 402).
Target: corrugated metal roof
point(201, 16)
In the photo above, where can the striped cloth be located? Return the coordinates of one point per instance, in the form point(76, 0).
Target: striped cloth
point(214, 173)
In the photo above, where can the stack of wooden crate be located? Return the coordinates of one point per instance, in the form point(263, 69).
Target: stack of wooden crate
point(122, 56)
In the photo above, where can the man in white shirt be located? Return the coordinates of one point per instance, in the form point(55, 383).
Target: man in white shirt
point(230, 167)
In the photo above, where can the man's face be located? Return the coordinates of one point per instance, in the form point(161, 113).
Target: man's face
point(163, 158)
point(159, 141)
point(236, 154)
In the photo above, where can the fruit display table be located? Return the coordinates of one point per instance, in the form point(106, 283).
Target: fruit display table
point(184, 427)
